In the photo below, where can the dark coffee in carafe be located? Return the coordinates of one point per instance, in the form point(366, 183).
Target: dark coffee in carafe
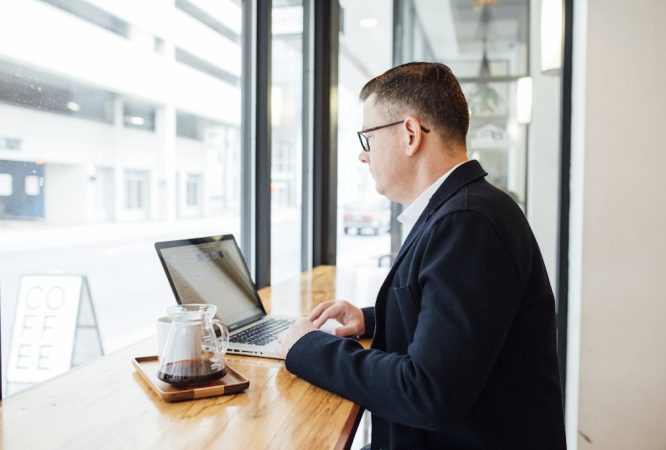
point(190, 373)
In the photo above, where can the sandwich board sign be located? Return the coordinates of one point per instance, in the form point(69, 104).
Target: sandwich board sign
point(55, 329)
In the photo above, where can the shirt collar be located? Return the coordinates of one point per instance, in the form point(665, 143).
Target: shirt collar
point(411, 213)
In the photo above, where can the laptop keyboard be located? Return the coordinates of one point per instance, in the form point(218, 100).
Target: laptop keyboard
point(262, 333)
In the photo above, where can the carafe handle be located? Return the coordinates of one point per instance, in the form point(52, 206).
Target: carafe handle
point(224, 335)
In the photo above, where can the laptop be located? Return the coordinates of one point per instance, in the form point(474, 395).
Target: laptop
point(212, 270)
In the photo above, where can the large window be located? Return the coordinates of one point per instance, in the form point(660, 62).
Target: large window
point(363, 215)
point(286, 135)
point(119, 127)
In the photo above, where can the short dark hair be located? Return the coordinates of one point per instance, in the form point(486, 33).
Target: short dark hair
point(429, 90)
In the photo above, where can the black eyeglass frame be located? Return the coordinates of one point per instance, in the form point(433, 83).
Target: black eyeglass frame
point(365, 143)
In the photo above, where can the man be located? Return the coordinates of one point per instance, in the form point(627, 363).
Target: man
point(463, 353)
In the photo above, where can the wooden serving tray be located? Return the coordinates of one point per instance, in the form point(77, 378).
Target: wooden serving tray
point(231, 383)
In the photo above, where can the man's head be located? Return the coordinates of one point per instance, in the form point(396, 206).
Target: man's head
point(429, 91)
point(426, 101)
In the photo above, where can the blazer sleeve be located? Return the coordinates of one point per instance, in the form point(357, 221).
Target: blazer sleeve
point(369, 319)
point(469, 291)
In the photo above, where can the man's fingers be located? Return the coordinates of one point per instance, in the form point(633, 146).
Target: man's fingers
point(329, 313)
point(347, 330)
point(314, 314)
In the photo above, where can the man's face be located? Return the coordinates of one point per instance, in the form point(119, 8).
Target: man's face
point(385, 160)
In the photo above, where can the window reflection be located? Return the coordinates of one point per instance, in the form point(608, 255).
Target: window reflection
point(486, 46)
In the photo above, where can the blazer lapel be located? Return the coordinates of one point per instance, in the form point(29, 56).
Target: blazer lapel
point(462, 176)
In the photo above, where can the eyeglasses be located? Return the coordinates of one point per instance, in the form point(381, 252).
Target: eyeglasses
point(364, 139)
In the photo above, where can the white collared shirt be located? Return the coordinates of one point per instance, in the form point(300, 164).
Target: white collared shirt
point(411, 214)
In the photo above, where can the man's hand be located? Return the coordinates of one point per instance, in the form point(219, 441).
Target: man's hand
point(287, 339)
point(350, 316)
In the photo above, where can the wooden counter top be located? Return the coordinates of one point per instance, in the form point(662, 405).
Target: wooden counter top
point(107, 405)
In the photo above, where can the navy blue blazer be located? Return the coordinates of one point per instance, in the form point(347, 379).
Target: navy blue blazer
point(464, 348)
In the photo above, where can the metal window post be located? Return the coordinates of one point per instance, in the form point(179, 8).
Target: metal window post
point(262, 253)
point(325, 129)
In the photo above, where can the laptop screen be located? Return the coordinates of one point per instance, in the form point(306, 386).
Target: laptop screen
point(212, 270)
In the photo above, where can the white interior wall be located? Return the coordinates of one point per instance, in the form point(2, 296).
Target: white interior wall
point(618, 249)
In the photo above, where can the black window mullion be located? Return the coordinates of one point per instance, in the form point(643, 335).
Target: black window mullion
point(262, 255)
point(565, 195)
point(325, 131)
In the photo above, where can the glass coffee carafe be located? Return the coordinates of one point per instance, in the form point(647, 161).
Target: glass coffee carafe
point(193, 354)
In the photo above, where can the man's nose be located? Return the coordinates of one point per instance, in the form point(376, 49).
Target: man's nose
point(363, 156)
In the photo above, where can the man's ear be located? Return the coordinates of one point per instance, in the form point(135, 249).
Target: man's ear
point(413, 135)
